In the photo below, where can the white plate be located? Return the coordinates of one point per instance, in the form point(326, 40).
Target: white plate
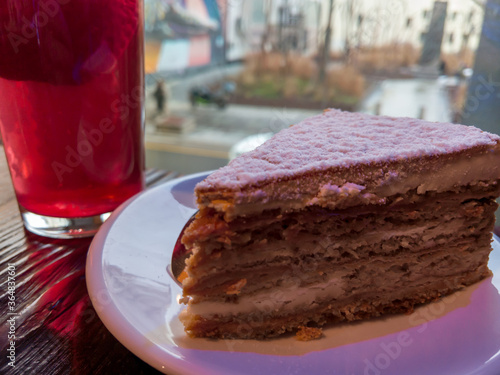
point(137, 301)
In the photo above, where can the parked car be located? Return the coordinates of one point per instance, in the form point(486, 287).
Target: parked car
point(206, 95)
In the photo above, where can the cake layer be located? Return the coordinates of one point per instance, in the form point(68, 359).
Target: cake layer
point(367, 184)
point(336, 139)
point(213, 227)
point(264, 324)
point(344, 159)
point(354, 245)
point(257, 274)
point(297, 234)
point(336, 239)
point(318, 274)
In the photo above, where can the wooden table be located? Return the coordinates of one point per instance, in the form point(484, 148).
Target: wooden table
point(57, 330)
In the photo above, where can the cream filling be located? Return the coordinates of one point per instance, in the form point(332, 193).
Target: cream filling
point(378, 277)
point(431, 231)
point(460, 172)
point(331, 243)
point(275, 299)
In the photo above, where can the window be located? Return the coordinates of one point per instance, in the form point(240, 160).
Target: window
point(471, 14)
point(258, 15)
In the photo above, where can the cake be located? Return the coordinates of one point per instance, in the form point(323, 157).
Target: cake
point(344, 216)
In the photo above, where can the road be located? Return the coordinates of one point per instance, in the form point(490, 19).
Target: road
point(419, 98)
point(179, 86)
point(213, 132)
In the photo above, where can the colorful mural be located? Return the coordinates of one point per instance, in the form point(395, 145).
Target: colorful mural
point(182, 34)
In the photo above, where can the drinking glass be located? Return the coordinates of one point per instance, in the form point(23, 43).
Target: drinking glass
point(71, 109)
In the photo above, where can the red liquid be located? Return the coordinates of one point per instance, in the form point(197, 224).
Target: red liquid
point(71, 108)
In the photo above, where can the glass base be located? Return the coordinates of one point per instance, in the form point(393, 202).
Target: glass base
point(57, 227)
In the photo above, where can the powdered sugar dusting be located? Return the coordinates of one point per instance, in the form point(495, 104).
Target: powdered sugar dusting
point(342, 139)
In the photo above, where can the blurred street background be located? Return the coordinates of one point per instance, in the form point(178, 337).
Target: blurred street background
point(224, 75)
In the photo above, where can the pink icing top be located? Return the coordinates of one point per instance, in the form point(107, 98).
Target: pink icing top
point(341, 139)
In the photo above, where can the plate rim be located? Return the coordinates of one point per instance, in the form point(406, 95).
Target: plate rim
point(97, 285)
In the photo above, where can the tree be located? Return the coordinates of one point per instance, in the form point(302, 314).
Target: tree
point(264, 41)
point(325, 54)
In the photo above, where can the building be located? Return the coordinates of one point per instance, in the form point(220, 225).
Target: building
point(290, 25)
point(300, 25)
point(182, 34)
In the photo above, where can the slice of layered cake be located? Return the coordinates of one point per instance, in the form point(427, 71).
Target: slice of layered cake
point(344, 216)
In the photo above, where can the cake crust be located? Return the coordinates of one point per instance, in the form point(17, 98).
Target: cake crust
point(350, 159)
point(337, 140)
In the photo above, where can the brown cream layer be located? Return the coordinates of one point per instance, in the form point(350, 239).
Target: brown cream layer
point(211, 227)
point(338, 236)
point(400, 269)
point(264, 323)
point(337, 239)
point(336, 251)
point(306, 249)
point(285, 300)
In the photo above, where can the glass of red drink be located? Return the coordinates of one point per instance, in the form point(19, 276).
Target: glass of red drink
point(71, 109)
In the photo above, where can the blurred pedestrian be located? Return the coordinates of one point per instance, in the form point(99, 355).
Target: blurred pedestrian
point(160, 95)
